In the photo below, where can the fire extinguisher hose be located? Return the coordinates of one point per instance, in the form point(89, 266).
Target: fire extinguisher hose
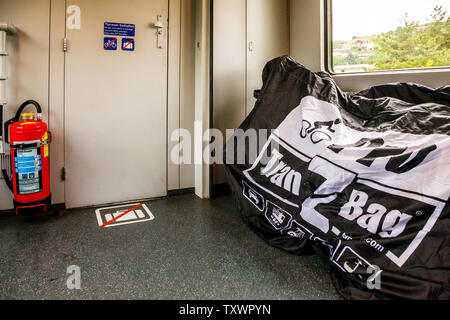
point(17, 116)
point(8, 180)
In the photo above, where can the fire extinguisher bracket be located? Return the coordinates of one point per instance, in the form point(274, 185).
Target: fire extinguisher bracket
point(22, 145)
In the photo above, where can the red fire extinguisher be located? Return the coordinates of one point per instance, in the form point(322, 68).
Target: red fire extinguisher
point(29, 140)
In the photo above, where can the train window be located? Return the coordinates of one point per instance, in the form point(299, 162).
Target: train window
point(366, 36)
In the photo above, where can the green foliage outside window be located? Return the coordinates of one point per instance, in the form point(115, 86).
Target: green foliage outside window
point(411, 45)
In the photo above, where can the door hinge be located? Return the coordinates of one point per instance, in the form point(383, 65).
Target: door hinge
point(65, 45)
point(63, 174)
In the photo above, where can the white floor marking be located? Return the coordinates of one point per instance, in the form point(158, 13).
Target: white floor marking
point(141, 214)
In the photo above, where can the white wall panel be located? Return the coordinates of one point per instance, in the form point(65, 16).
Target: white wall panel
point(229, 83)
point(28, 63)
point(173, 99)
point(237, 70)
point(267, 38)
point(56, 99)
point(181, 100)
point(187, 85)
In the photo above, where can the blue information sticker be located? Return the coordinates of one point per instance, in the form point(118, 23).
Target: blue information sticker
point(110, 43)
point(128, 44)
point(119, 29)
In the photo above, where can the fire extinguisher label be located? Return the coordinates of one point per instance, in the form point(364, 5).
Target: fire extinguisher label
point(28, 169)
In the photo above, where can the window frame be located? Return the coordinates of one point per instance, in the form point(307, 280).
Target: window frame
point(328, 52)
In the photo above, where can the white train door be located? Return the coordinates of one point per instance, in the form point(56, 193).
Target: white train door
point(115, 101)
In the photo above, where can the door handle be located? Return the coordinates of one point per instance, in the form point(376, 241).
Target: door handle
point(159, 26)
